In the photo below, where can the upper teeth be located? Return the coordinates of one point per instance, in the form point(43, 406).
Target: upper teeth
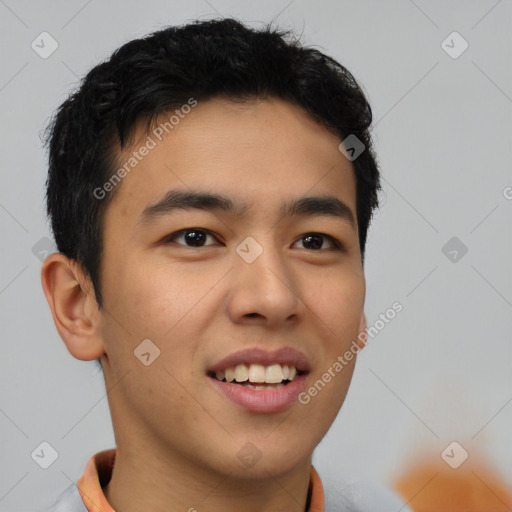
point(272, 374)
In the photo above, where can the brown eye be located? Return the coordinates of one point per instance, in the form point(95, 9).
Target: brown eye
point(314, 241)
point(193, 237)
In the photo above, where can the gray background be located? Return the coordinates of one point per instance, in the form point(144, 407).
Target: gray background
point(439, 372)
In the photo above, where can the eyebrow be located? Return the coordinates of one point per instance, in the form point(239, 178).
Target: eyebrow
point(196, 200)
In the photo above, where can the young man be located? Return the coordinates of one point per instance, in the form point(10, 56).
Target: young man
point(211, 235)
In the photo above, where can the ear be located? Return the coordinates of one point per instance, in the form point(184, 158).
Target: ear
point(363, 335)
point(71, 298)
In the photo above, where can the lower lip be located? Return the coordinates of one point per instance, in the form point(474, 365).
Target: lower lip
point(261, 400)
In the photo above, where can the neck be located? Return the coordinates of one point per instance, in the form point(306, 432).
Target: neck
point(155, 481)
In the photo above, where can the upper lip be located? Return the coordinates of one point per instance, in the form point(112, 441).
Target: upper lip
point(286, 355)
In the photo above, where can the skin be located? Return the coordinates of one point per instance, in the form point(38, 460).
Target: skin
point(177, 438)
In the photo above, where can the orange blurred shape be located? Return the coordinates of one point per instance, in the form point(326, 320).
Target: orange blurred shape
point(435, 487)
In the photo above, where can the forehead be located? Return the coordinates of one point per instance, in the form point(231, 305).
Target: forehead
point(251, 151)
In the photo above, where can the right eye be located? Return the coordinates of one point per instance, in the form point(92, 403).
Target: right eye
point(193, 236)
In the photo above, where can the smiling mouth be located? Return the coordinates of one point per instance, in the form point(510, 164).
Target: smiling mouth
point(257, 376)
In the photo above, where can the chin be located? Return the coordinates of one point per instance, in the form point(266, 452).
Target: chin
point(261, 459)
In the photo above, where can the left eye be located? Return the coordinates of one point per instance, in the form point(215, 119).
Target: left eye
point(315, 241)
point(195, 237)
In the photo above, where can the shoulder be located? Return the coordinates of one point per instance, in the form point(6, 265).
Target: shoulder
point(361, 496)
point(69, 500)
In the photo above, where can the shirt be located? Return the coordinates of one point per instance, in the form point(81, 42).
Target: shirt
point(331, 495)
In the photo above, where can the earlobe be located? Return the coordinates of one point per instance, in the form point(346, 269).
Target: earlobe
point(363, 334)
point(73, 306)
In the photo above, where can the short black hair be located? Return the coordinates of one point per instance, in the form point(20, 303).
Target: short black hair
point(164, 70)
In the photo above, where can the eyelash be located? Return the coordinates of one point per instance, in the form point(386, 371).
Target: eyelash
point(337, 246)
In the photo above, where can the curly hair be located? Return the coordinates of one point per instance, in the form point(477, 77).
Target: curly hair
point(163, 70)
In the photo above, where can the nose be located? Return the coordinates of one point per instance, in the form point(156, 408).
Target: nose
point(264, 291)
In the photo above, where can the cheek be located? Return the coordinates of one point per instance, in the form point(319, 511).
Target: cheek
point(154, 297)
point(165, 303)
point(140, 303)
point(340, 305)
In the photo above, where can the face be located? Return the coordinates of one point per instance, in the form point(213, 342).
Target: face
point(191, 281)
